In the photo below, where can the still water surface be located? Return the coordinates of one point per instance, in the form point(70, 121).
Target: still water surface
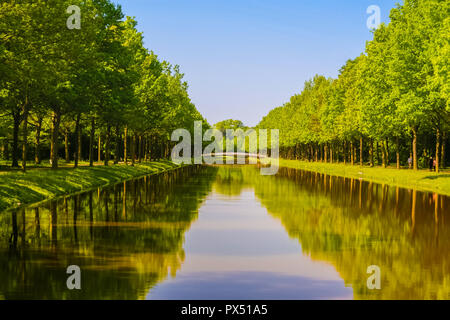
point(229, 233)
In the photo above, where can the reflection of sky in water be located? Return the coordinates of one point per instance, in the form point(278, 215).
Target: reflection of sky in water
point(236, 250)
point(248, 286)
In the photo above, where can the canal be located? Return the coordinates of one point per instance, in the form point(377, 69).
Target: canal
point(227, 232)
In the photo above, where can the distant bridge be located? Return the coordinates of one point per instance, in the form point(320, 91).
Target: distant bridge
point(246, 154)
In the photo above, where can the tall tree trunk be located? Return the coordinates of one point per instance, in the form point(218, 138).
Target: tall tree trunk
point(66, 145)
point(24, 136)
point(320, 147)
point(125, 156)
point(331, 152)
point(37, 149)
point(383, 153)
point(443, 150)
point(54, 140)
point(117, 149)
point(387, 152)
point(398, 152)
point(344, 151)
point(99, 157)
point(438, 138)
point(410, 153)
point(361, 160)
point(149, 147)
point(140, 149)
point(79, 145)
point(414, 131)
point(91, 143)
point(133, 149)
point(378, 153)
point(371, 153)
point(77, 141)
point(145, 149)
point(352, 156)
point(107, 142)
point(15, 145)
point(166, 153)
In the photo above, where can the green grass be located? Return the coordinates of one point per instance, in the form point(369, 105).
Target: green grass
point(422, 180)
point(17, 188)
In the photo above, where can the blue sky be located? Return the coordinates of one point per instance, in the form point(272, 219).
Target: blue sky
point(243, 58)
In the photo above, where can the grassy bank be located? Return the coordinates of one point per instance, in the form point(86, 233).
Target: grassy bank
point(18, 188)
point(423, 180)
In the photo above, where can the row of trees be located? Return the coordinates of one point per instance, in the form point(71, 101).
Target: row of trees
point(396, 93)
point(96, 80)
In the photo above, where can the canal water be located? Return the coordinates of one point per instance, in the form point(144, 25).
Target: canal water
point(227, 232)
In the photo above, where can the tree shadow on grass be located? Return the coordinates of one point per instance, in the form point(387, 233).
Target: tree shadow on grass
point(36, 185)
point(9, 196)
point(443, 176)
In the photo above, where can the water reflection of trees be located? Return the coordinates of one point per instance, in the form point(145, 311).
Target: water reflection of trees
point(126, 238)
point(353, 224)
point(129, 237)
point(230, 181)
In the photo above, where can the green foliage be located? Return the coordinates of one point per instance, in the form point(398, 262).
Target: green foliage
point(396, 90)
point(100, 72)
point(229, 124)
